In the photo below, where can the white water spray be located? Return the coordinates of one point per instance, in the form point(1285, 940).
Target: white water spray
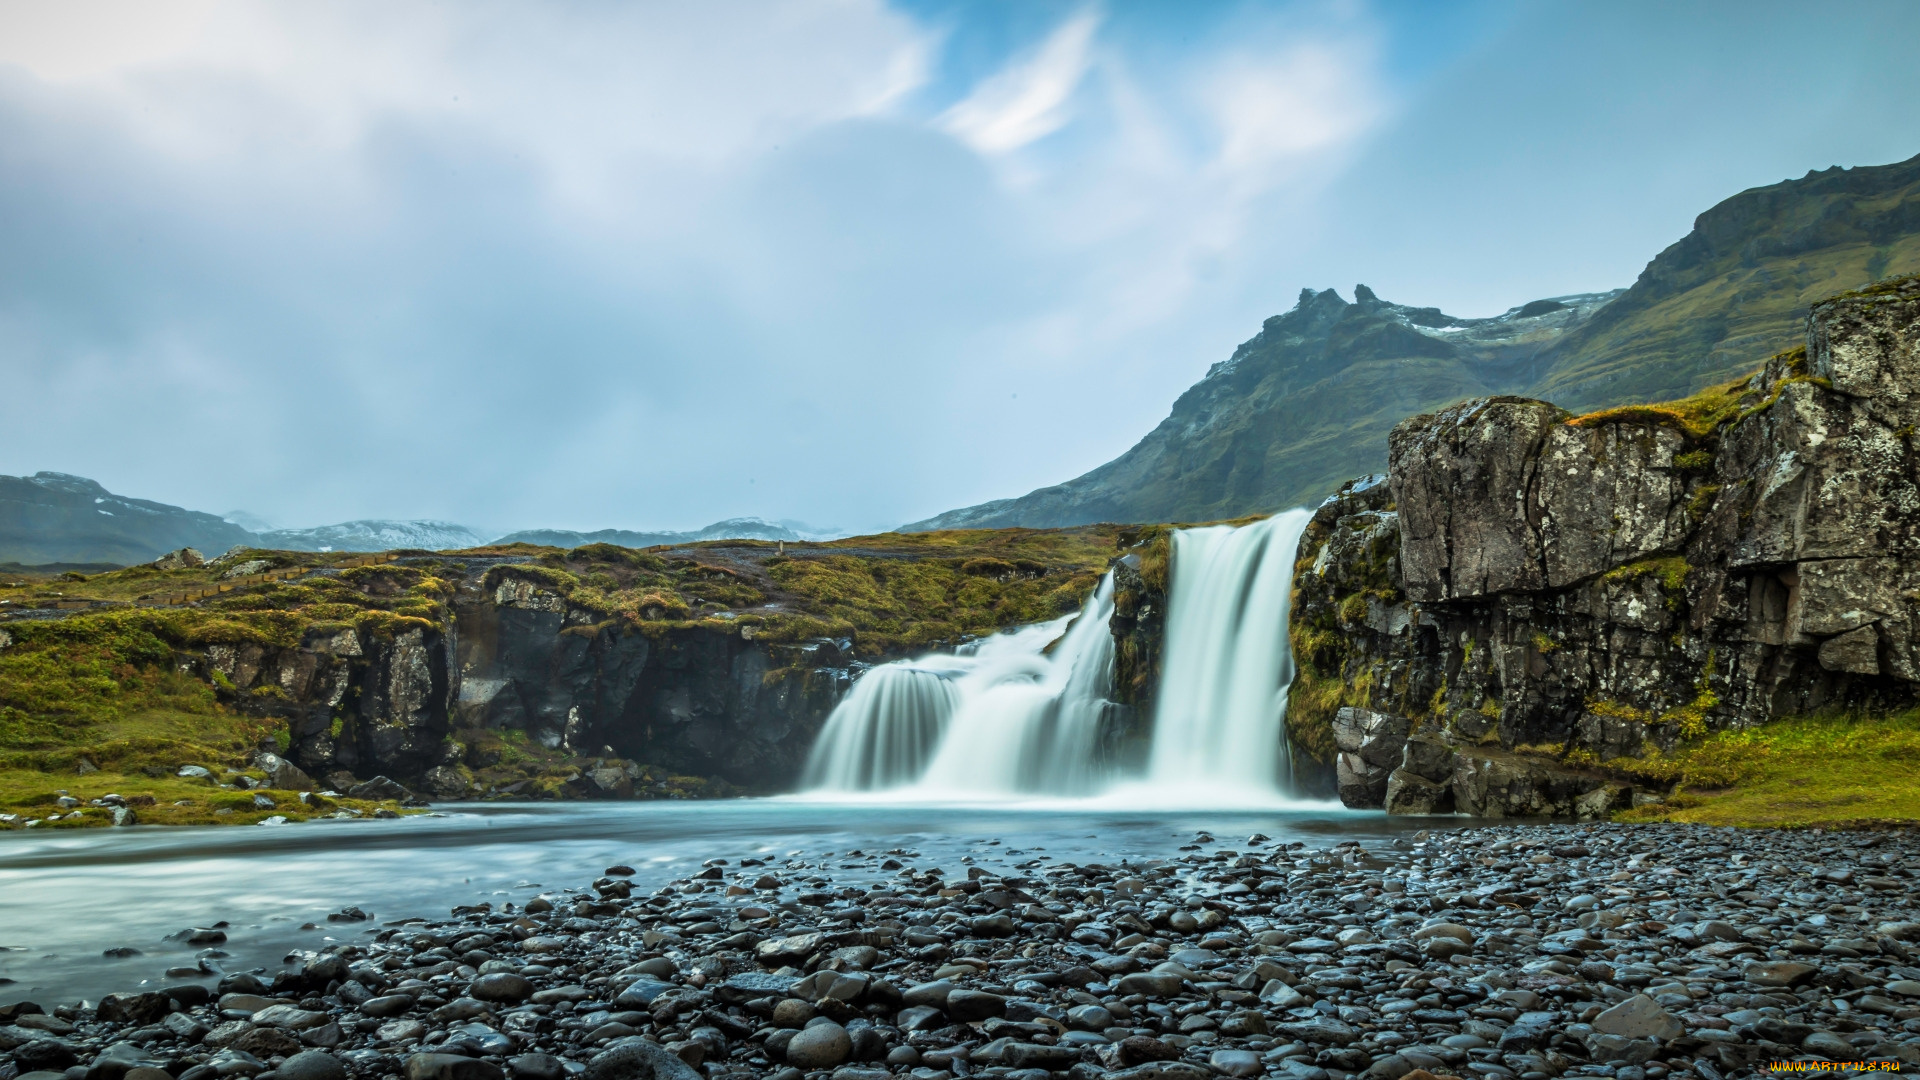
point(1219, 717)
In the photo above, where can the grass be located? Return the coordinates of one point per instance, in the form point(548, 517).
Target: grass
point(136, 755)
point(892, 593)
point(95, 702)
point(1698, 415)
point(1804, 771)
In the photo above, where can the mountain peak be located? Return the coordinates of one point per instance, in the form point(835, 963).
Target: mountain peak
point(1307, 402)
point(59, 481)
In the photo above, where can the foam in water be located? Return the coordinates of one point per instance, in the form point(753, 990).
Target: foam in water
point(1018, 715)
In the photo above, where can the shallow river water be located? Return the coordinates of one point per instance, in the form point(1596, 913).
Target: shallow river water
point(67, 897)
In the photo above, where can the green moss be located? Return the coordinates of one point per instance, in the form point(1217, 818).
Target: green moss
point(1800, 771)
point(1691, 718)
point(1893, 286)
point(1543, 644)
point(1698, 416)
point(1617, 711)
point(1353, 610)
point(1701, 502)
point(1671, 570)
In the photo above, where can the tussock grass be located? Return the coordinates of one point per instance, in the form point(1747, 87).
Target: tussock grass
point(1803, 771)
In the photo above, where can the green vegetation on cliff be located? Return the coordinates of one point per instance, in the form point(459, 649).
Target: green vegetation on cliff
point(95, 703)
point(95, 697)
point(893, 593)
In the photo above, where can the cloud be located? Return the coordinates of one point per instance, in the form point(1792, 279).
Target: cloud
point(592, 265)
point(1030, 98)
point(652, 264)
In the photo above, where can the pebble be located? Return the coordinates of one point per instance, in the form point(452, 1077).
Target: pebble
point(1630, 951)
point(309, 1065)
point(820, 1046)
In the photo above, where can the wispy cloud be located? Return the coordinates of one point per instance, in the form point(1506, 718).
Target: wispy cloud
point(1032, 96)
point(652, 263)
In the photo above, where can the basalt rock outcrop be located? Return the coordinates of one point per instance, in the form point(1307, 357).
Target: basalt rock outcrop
point(1531, 594)
point(429, 706)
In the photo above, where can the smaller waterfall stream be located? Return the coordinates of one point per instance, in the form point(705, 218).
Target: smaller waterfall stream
point(1004, 715)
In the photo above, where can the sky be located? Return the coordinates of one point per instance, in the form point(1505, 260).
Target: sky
point(629, 265)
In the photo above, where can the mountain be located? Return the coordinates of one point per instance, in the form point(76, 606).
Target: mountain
point(1307, 403)
point(374, 535)
point(730, 529)
point(52, 517)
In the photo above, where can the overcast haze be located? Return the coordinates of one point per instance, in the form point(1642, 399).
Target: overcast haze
point(647, 266)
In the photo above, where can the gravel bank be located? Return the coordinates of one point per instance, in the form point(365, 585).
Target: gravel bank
point(1529, 951)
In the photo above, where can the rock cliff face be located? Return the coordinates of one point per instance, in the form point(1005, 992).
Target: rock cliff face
point(1531, 594)
point(517, 660)
point(691, 700)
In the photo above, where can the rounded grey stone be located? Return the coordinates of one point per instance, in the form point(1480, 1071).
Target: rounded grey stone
point(312, 1065)
point(821, 1046)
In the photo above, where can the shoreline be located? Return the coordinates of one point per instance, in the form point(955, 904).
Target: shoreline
point(1496, 950)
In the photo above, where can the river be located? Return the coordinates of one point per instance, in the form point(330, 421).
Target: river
point(67, 897)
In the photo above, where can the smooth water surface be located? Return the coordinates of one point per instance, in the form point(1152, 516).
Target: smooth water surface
point(66, 896)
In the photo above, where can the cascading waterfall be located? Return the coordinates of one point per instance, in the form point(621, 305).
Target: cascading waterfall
point(1219, 717)
point(1035, 730)
point(1020, 713)
point(886, 730)
point(1002, 715)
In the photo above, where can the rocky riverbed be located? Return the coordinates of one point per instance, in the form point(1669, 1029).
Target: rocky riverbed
point(1527, 950)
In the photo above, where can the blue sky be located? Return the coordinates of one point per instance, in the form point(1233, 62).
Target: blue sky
point(626, 265)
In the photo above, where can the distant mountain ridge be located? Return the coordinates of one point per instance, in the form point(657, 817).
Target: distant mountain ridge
point(730, 529)
point(1307, 403)
point(53, 517)
point(373, 535)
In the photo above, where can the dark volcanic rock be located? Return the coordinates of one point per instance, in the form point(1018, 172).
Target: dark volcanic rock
point(1521, 949)
point(1599, 586)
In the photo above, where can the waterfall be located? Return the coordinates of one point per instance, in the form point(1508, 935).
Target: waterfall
point(1020, 713)
point(1034, 729)
point(1003, 715)
point(885, 731)
point(1219, 718)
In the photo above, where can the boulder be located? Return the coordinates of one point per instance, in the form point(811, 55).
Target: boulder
point(184, 559)
point(282, 775)
point(381, 789)
point(637, 1059)
point(1410, 793)
point(452, 1067)
point(1371, 745)
point(1639, 1017)
point(312, 1065)
point(819, 1046)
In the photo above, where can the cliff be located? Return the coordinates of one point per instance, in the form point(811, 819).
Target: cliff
point(1309, 400)
point(506, 671)
point(1534, 595)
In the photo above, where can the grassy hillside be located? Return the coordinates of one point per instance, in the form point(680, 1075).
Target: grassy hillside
point(1823, 770)
point(1738, 287)
point(93, 700)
